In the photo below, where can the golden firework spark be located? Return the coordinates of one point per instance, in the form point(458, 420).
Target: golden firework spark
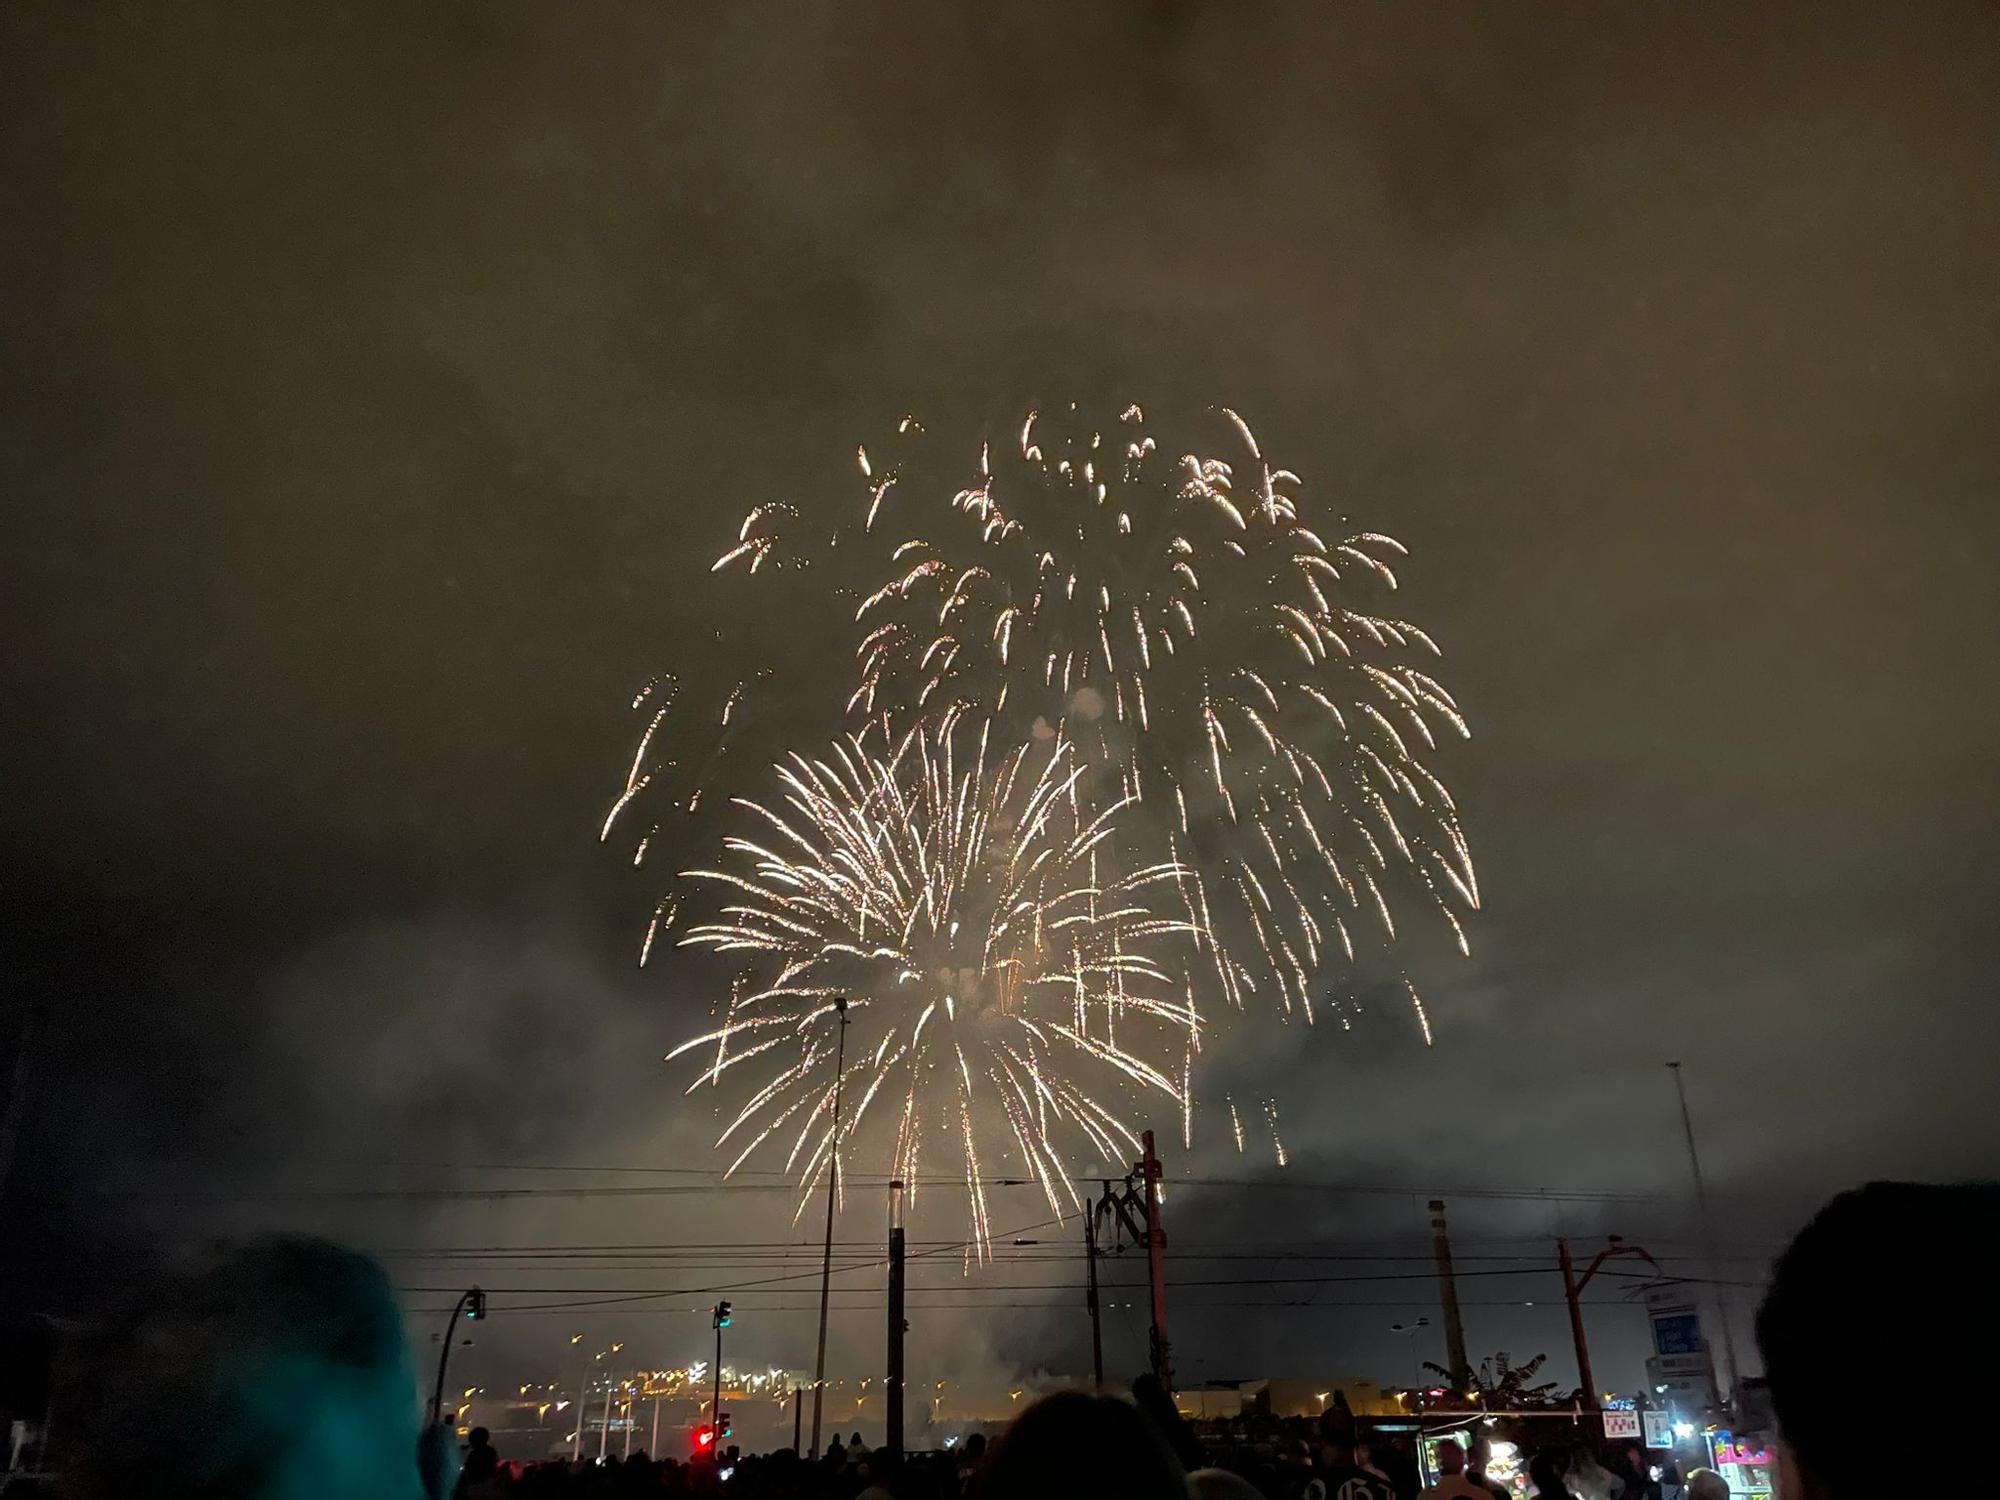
point(1179, 620)
point(1015, 983)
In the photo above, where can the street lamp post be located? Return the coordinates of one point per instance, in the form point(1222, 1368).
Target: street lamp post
point(583, 1400)
point(471, 1304)
point(715, 1401)
point(582, 1385)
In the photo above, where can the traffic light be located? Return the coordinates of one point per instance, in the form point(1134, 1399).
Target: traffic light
point(475, 1304)
point(704, 1439)
point(722, 1427)
point(722, 1315)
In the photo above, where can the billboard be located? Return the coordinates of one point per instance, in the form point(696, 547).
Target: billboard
point(1677, 1333)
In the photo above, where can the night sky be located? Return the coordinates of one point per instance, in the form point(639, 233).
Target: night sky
point(379, 382)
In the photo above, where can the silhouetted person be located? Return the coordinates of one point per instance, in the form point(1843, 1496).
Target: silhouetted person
point(1159, 1409)
point(1076, 1447)
point(1634, 1468)
point(1706, 1484)
point(1220, 1484)
point(1341, 1470)
point(272, 1370)
point(971, 1458)
point(1453, 1485)
point(1476, 1461)
point(1364, 1458)
point(1893, 1277)
point(1545, 1472)
point(1588, 1479)
point(482, 1462)
point(875, 1470)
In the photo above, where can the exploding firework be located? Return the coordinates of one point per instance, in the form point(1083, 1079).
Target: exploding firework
point(1177, 617)
point(1014, 985)
point(1203, 770)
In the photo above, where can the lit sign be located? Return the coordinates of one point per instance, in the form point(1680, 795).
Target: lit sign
point(1728, 1450)
point(1621, 1423)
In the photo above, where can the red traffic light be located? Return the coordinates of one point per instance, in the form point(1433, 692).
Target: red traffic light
point(704, 1439)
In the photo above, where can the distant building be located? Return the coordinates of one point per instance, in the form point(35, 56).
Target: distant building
point(1280, 1396)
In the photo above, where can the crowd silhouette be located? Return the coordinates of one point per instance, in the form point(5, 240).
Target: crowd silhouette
point(278, 1370)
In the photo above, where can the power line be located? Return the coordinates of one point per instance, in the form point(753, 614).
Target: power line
point(873, 1306)
point(787, 1185)
point(619, 1294)
point(1280, 1179)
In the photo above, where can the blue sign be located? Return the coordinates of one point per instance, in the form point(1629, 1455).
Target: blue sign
point(1677, 1333)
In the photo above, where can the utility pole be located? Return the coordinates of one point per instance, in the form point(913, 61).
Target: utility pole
point(798, 1411)
point(1156, 1265)
point(1708, 1239)
point(626, 1406)
point(715, 1403)
point(604, 1428)
point(1090, 1294)
point(832, 1195)
point(1454, 1325)
point(654, 1451)
point(897, 1326)
point(1573, 1292)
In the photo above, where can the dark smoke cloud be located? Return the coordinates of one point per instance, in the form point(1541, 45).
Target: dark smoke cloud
point(377, 382)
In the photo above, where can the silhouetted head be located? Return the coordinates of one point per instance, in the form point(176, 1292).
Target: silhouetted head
point(1450, 1457)
point(1586, 1478)
point(271, 1370)
point(480, 1437)
point(1892, 1276)
point(1546, 1470)
point(1076, 1447)
point(1220, 1484)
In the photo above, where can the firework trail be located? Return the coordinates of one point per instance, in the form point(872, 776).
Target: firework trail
point(1175, 615)
point(1013, 984)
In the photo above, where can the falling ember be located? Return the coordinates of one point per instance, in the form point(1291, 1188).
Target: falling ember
point(1277, 1145)
point(1423, 1015)
point(663, 920)
point(1235, 1125)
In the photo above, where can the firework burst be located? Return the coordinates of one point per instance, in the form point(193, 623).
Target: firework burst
point(1178, 616)
point(1016, 985)
point(1202, 772)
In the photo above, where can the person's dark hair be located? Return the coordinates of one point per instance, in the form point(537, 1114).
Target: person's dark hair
point(1071, 1446)
point(188, 1388)
point(1545, 1469)
point(478, 1437)
point(1151, 1396)
point(1891, 1276)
